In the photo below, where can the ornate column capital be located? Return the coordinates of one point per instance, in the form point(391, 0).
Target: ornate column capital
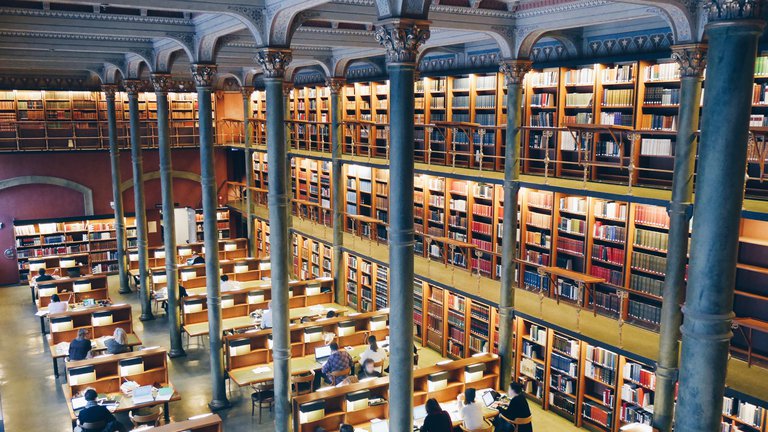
point(274, 61)
point(203, 74)
point(247, 91)
point(132, 86)
point(733, 10)
point(514, 70)
point(162, 82)
point(402, 39)
point(691, 58)
point(335, 84)
point(109, 90)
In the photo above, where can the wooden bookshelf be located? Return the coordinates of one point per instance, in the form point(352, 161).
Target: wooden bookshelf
point(311, 259)
point(598, 394)
point(91, 242)
point(222, 223)
point(562, 387)
point(312, 190)
point(638, 386)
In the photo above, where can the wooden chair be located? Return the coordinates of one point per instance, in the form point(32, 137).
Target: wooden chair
point(146, 416)
point(302, 383)
point(379, 365)
point(488, 428)
point(516, 422)
point(338, 376)
point(263, 396)
point(93, 426)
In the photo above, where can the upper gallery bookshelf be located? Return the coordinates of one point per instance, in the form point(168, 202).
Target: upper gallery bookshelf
point(90, 242)
point(68, 120)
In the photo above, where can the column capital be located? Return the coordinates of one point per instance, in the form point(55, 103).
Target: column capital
point(402, 38)
point(287, 87)
point(109, 90)
point(335, 84)
point(734, 10)
point(203, 74)
point(247, 91)
point(274, 61)
point(514, 70)
point(132, 86)
point(162, 82)
point(691, 58)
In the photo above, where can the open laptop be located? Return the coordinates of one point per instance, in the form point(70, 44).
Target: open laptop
point(322, 353)
point(380, 426)
point(489, 400)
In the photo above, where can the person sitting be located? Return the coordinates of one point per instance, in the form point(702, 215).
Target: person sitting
point(338, 361)
point(516, 413)
point(374, 352)
point(266, 317)
point(306, 319)
point(331, 314)
point(348, 380)
point(56, 305)
point(97, 415)
point(228, 285)
point(470, 412)
point(182, 294)
point(346, 428)
point(437, 420)
point(80, 348)
point(42, 276)
point(195, 259)
point(117, 343)
point(368, 370)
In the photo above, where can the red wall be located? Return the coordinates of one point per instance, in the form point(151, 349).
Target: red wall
point(92, 170)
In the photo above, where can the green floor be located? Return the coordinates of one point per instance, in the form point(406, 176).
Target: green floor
point(32, 399)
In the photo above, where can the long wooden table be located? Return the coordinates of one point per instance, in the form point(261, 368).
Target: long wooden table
point(58, 351)
point(243, 322)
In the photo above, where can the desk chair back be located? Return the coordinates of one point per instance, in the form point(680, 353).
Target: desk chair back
point(379, 366)
point(146, 417)
point(93, 426)
point(302, 383)
point(338, 376)
point(488, 428)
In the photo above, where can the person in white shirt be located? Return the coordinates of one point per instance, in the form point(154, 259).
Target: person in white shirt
point(471, 412)
point(266, 317)
point(56, 305)
point(228, 285)
point(374, 352)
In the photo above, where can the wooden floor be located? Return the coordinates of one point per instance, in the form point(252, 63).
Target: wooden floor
point(32, 399)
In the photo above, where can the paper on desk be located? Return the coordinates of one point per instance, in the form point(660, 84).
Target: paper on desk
point(164, 394)
point(261, 369)
point(62, 348)
point(41, 313)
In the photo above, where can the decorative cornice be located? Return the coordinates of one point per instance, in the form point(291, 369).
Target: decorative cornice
point(100, 38)
point(335, 84)
point(463, 10)
point(273, 61)
point(109, 90)
point(94, 16)
point(691, 58)
point(133, 86)
point(255, 14)
point(514, 70)
point(203, 74)
point(731, 10)
point(163, 83)
point(566, 7)
point(335, 31)
point(402, 39)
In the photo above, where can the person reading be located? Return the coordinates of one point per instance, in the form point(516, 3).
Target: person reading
point(437, 419)
point(516, 415)
point(117, 343)
point(266, 317)
point(96, 416)
point(470, 411)
point(338, 361)
point(368, 370)
point(56, 305)
point(80, 348)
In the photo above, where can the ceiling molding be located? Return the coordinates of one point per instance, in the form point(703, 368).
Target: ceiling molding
point(94, 16)
point(51, 35)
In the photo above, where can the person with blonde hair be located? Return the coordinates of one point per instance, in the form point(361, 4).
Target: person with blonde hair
point(118, 342)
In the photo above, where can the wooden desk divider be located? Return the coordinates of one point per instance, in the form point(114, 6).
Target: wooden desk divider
point(201, 423)
point(73, 290)
point(332, 406)
point(253, 347)
point(228, 249)
point(98, 322)
point(193, 276)
point(62, 263)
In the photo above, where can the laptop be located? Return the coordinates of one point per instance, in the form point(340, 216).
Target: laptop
point(420, 412)
point(490, 401)
point(322, 353)
point(380, 426)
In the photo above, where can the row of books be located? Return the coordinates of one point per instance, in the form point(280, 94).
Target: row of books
point(545, 78)
point(618, 97)
point(534, 281)
point(608, 232)
point(618, 74)
point(597, 413)
point(584, 76)
point(658, 122)
point(564, 364)
point(744, 411)
point(651, 239)
point(568, 289)
point(541, 100)
point(536, 257)
point(644, 312)
point(611, 276)
point(616, 119)
point(646, 284)
point(608, 254)
point(652, 216)
point(562, 383)
point(578, 99)
point(650, 263)
point(656, 147)
point(608, 148)
point(661, 96)
point(579, 118)
point(572, 225)
point(570, 245)
point(538, 238)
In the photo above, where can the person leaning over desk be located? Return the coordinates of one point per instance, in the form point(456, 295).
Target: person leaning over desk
point(516, 415)
point(56, 305)
point(470, 411)
point(117, 343)
point(437, 419)
point(80, 348)
point(338, 361)
point(96, 418)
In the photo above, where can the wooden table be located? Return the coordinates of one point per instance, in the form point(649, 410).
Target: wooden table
point(126, 403)
point(237, 323)
point(42, 312)
point(97, 345)
point(750, 324)
point(248, 375)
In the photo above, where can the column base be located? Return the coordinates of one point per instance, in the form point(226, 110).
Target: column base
point(219, 404)
point(124, 290)
point(146, 317)
point(176, 353)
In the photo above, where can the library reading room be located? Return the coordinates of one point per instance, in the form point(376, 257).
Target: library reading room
point(384, 215)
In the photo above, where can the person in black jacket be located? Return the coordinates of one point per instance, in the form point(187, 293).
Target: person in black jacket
point(80, 348)
point(437, 420)
point(95, 414)
point(517, 411)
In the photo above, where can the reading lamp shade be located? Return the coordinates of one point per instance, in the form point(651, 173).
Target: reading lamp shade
point(345, 328)
point(313, 289)
point(191, 306)
point(255, 297)
point(313, 334)
point(133, 256)
point(158, 278)
point(357, 400)
point(241, 267)
point(185, 251)
point(437, 381)
point(61, 324)
point(101, 318)
point(36, 265)
point(312, 411)
point(81, 286)
point(378, 322)
point(239, 347)
point(160, 254)
point(227, 301)
point(131, 366)
point(265, 265)
point(82, 375)
point(188, 274)
point(46, 290)
point(67, 263)
point(474, 372)
point(229, 247)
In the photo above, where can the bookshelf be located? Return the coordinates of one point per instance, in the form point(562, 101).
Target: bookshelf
point(751, 296)
point(456, 325)
point(564, 372)
point(536, 238)
point(532, 359)
point(312, 190)
point(311, 259)
point(608, 222)
point(741, 415)
point(435, 316)
point(599, 388)
point(418, 311)
point(222, 223)
point(638, 385)
point(91, 241)
point(541, 115)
